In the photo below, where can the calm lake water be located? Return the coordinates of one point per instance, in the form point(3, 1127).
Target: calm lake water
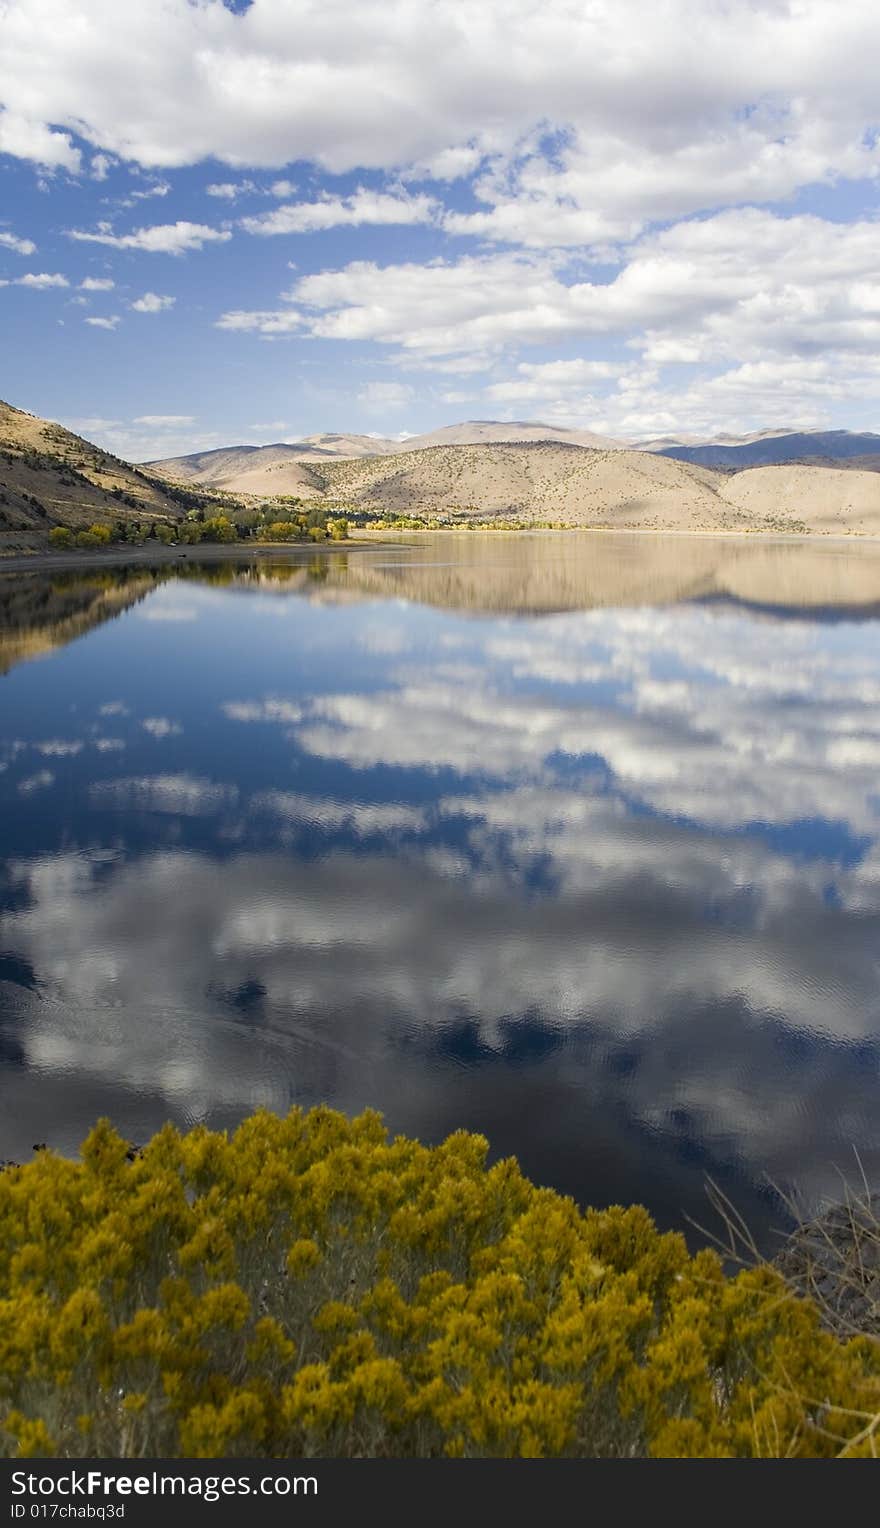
point(570, 839)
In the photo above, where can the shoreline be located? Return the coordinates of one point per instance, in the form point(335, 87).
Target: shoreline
point(161, 555)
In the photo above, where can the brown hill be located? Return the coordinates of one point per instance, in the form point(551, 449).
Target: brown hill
point(561, 483)
point(50, 476)
point(834, 500)
point(240, 469)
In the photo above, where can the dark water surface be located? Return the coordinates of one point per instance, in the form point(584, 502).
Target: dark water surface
point(573, 840)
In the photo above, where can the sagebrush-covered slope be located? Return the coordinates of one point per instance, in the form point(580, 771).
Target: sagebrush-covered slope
point(50, 476)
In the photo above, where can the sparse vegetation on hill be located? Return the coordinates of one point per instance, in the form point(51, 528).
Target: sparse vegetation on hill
point(51, 478)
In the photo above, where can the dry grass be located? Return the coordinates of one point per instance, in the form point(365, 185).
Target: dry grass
point(831, 1257)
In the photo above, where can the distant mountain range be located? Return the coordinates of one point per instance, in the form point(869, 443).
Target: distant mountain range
point(264, 469)
point(766, 450)
point(284, 466)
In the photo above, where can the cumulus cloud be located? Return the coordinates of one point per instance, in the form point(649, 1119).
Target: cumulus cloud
point(104, 323)
point(361, 207)
point(619, 167)
point(97, 284)
point(26, 138)
point(151, 302)
point(755, 96)
point(261, 321)
point(17, 245)
point(41, 281)
point(164, 238)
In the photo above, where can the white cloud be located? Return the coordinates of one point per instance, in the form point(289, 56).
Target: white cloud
point(40, 281)
point(100, 166)
point(103, 323)
point(97, 284)
point(25, 138)
point(165, 421)
point(228, 190)
point(742, 97)
point(361, 207)
point(151, 302)
point(268, 322)
point(19, 246)
point(164, 238)
point(158, 188)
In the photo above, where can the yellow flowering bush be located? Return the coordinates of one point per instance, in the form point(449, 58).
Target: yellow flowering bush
point(307, 1287)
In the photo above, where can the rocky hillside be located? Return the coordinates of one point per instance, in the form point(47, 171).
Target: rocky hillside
point(49, 476)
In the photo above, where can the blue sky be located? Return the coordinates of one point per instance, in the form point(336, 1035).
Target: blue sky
point(252, 222)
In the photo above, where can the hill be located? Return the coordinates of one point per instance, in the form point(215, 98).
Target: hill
point(50, 476)
point(827, 499)
point(277, 469)
point(551, 481)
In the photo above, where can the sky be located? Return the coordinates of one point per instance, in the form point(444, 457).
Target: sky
point(251, 222)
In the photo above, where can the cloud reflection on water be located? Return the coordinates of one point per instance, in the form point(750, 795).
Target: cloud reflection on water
point(604, 883)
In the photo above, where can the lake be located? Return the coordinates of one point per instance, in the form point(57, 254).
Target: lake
point(570, 839)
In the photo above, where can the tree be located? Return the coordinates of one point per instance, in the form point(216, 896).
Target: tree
point(61, 536)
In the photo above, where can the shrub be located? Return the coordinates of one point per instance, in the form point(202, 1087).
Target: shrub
point(96, 535)
point(307, 1287)
point(60, 536)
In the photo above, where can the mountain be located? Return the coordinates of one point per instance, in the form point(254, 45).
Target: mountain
point(277, 469)
point(50, 476)
point(769, 449)
point(349, 445)
point(485, 432)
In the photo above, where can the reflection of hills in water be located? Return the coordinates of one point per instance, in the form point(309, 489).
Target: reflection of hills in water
point(39, 612)
point(520, 574)
point(527, 574)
